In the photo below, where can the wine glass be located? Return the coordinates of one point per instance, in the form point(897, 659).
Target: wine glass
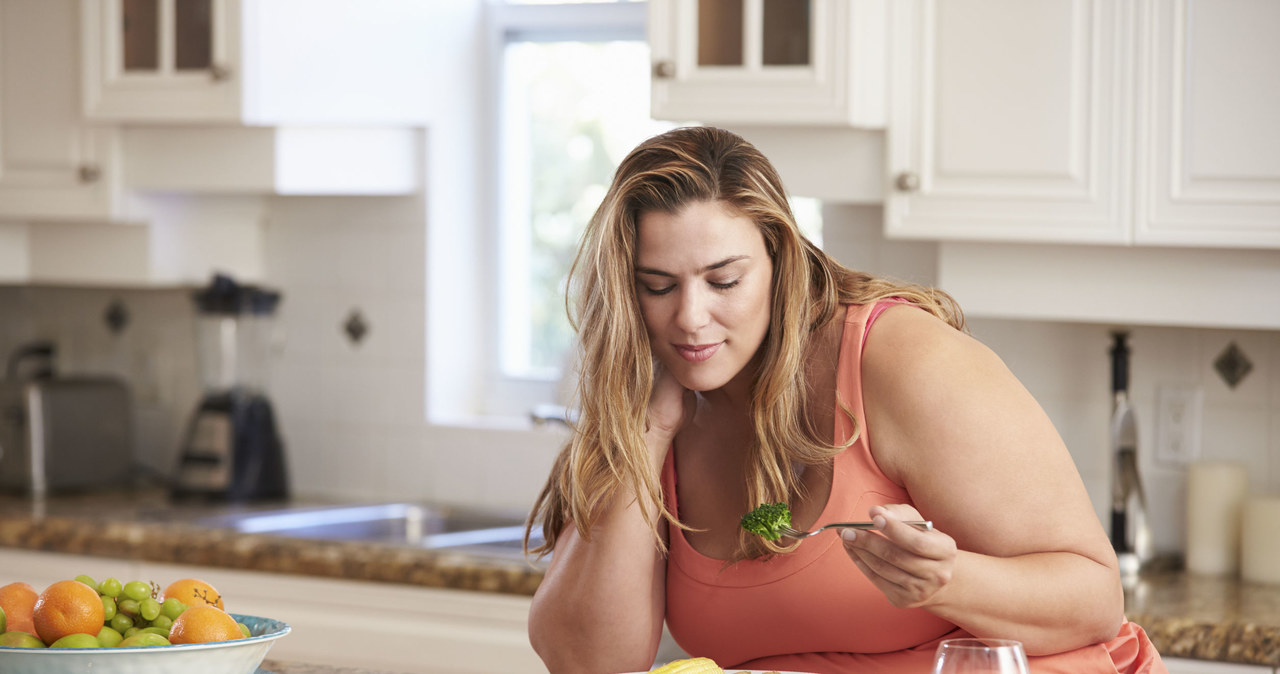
point(988, 656)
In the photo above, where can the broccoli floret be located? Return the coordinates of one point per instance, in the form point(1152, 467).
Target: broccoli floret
point(767, 519)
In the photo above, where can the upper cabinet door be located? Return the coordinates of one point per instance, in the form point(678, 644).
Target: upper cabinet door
point(162, 60)
point(769, 62)
point(53, 165)
point(264, 62)
point(1008, 120)
point(1209, 167)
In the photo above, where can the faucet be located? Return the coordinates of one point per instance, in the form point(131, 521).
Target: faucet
point(547, 413)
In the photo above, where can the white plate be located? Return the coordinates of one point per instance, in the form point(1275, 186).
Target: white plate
point(239, 656)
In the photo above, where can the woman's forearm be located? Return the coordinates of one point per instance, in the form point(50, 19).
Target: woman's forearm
point(601, 603)
point(1050, 601)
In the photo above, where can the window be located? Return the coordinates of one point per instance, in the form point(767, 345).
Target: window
point(571, 100)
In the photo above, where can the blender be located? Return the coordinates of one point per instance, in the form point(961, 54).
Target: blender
point(232, 449)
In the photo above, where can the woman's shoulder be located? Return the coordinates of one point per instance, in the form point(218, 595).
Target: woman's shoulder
point(908, 348)
point(922, 379)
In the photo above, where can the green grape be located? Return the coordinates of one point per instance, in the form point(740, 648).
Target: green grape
point(149, 608)
point(77, 641)
point(88, 580)
point(109, 638)
point(172, 608)
point(108, 608)
point(131, 631)
point(244, 629)
point(137, 590)
point(110, 587)
point(162, 621)
point(155, 630)
point(128, 607)
point(143, 640)
point(121, 622)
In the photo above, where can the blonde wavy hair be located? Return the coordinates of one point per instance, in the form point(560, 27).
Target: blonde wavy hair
point(607, 451)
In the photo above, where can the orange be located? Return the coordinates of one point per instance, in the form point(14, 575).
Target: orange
point(18, 601)
point(204, 623)
point(193, 592)
point(67, 607)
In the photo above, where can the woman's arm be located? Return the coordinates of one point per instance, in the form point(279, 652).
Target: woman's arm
point(601, 603)
point(1019, 552)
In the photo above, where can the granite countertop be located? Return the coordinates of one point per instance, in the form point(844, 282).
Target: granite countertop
point(144, 526)
point(1186, 615)
point(1208, 618)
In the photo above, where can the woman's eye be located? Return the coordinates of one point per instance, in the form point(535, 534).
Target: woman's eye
point(724, 285)
point(657, 291)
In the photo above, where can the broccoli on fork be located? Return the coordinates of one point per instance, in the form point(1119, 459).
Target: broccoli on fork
point(767, 519)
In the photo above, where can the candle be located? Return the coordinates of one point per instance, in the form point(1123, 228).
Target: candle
point(1260, 540)
point(1216, 492)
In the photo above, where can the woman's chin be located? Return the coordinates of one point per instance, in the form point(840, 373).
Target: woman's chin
point(701, 382)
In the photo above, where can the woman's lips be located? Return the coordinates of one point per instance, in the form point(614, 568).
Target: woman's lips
point(696, 353)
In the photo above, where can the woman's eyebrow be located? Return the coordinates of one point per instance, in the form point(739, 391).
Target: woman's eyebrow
point(711, 267)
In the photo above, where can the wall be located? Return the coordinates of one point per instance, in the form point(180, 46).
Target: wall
point(352, 413)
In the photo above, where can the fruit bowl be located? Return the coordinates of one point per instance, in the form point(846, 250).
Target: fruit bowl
point(239, 656)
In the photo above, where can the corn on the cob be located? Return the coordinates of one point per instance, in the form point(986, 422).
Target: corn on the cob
point(690, 666)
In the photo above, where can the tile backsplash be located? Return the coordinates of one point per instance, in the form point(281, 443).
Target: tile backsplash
point(352, 411)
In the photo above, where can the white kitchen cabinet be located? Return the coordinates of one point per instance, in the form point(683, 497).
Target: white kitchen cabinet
point(377, 626)
point(1009, 120)
point(1209, 98)
point(769, 62)
point(53, 165)
point(1085, 121)
point(261, 62)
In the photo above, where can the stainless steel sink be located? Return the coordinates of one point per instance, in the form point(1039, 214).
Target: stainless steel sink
point(437, 528)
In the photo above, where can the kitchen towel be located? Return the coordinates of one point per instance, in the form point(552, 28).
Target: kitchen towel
point(1216, 492)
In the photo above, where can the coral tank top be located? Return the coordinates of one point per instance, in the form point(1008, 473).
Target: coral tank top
point(812, 610)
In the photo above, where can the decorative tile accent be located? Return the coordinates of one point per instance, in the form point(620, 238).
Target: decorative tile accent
point(356, 327)
point(117, 317)
point(1232, 365)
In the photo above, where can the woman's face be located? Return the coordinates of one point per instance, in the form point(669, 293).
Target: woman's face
point(703, 277)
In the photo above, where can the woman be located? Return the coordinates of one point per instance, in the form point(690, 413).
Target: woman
point(728, 362)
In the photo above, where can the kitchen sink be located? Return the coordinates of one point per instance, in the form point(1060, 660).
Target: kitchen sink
point(431, 527)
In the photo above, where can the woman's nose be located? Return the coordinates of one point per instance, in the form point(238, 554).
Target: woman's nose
point(692, 313)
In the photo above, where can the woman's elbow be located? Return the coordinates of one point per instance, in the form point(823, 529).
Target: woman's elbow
point(567, 648)
point(1108, 616)
point(1109, 621)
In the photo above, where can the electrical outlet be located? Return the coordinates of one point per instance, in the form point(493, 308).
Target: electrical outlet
point(1178, 412)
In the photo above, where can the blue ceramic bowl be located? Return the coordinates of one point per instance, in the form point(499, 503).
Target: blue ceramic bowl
point(240, 656)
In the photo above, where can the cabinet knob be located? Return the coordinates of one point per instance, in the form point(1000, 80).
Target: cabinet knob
point(219, 73)
point(89, 173)
point(907, 182)
point(664, 70)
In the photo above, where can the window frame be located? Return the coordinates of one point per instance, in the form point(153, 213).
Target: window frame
point(507, 395)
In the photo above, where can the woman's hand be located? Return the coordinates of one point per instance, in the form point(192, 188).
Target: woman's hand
point(671, 405)
point(911, 567)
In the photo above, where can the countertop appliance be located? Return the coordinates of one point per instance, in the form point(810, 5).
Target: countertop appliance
point(233, 450)
point(1130, 531)
point(62, 433)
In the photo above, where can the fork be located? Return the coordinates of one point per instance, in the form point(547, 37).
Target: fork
point(923, 525)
